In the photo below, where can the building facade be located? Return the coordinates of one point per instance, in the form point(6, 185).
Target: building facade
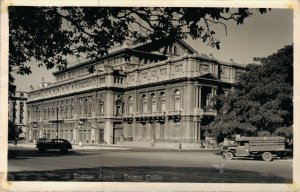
point(17, 112)
point(149, 92)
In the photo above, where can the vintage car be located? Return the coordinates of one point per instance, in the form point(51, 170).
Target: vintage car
point(257, 147)
point(41, 140)
point(61, 144)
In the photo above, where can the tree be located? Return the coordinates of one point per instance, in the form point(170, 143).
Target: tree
point(50, 35)
point(262, 100)
point(13, 130)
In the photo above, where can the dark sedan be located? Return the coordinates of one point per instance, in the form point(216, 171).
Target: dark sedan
point(61, 144)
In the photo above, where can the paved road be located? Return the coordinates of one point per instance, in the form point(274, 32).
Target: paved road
point(143, 165)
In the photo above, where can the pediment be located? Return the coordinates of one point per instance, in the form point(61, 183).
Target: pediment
point(163, 47)
point(209, 76)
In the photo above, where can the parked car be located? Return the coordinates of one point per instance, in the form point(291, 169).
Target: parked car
point(61, 144)
point(257, 147)
point(41, 140)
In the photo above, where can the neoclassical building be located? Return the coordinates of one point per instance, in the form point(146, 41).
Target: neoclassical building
point(17, 112)
point(149, 92)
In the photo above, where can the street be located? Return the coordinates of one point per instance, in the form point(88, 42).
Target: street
point(143, 165)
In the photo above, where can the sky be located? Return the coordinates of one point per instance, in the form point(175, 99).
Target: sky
point(259, 36)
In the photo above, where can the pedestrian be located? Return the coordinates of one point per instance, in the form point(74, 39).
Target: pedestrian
point(16, 141)
point(179, 146)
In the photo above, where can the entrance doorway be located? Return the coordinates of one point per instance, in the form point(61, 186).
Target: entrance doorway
point(101, 135)
point(117, 135)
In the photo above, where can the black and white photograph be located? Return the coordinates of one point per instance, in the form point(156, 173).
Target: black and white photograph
point(149, 94)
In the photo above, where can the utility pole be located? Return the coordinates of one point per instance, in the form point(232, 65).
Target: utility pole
point(82, 121)
point(56, 122)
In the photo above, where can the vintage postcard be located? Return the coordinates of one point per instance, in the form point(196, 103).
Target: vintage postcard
point(149, 96)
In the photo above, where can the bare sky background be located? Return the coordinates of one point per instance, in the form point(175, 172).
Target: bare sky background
point(260, 36)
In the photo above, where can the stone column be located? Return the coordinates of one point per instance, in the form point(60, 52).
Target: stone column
point(40, 133)
point(125, 129)
point(75, 135)
point(197, 96)
point(30, 135)
point(168, 99)
point(167, 131)
point(134, 126)
point(93, 135)
point(148, 131)
point(197, 130)
point(108, 132)
point(69, 134)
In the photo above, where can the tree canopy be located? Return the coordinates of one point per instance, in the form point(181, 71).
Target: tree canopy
point(262, 101)
point(49, 35)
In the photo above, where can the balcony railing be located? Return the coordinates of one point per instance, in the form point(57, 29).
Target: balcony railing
point(210, 112)
point(152, 116)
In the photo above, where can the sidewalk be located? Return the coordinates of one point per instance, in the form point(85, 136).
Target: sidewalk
point(75, 146)
point(117, 147)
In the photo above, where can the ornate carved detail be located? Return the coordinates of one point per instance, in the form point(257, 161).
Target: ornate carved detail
point(178, 67)
point(131, 78)
point(153, 74)
point(204, 68)
point(163, 71)
point(145, 75)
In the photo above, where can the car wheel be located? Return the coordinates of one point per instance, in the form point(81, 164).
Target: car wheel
point(64, 150)
point(267, 156)
point(228, 156)
point(223, 156)
point(41, 149)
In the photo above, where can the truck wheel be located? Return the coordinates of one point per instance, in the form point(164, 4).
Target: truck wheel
point(267, 156)
point(228, 156)
point(223, 155)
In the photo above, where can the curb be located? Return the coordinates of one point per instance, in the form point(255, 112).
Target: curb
point(118, 147)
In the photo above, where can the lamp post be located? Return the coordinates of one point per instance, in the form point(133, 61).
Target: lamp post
point(34, 126)
point(56, 122)
point(82, 121)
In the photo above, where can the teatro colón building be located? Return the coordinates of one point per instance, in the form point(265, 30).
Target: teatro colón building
point(148, 93)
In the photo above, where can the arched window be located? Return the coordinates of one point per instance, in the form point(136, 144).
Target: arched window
point(145, 104)
point(85, 106)
point(153, 103)
point(80, 108)
point(130, 105)
point(170, 49)
point(61, 112)
point(162, 102)
point(177, 98)
point(53, 112)
point(49, 113)
point(71, 111)
point(67, 111)
point(89, 106)
point(101, 106)
point(175, 50)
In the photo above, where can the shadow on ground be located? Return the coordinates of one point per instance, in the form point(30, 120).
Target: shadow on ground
point(27, 154)
point(150, 174)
